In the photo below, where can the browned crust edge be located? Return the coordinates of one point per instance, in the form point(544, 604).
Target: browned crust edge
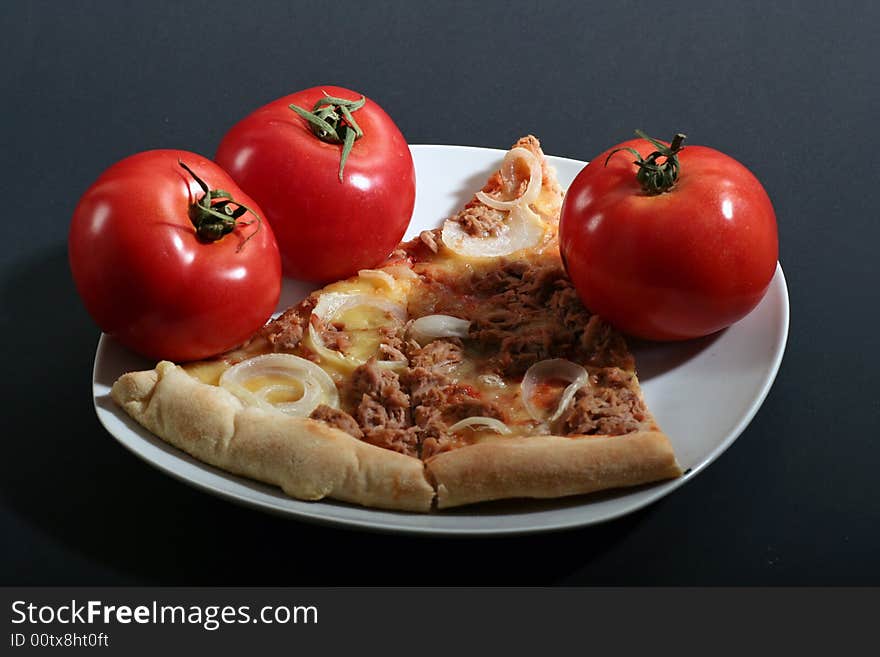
point(310, 460)
point(550, 466)
point(307, 459)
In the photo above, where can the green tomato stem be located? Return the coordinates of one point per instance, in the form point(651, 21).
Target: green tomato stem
point(656, 178)
point(332, 120)
point(216, 213)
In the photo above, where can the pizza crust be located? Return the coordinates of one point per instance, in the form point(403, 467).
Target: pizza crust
point(308, 459)
point(549, 466)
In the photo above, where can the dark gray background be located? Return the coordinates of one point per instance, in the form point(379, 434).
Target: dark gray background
point(789, 88)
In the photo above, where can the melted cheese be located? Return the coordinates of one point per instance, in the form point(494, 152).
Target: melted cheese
point(208, 371)
point(289, 388)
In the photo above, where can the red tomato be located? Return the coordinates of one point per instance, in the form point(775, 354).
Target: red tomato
point(327, 228)
point(148, 279)
point(673, 265)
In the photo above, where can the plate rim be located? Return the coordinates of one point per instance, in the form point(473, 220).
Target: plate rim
point(380, 525)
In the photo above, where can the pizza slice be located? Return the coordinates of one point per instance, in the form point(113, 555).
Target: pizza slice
point(465, 369)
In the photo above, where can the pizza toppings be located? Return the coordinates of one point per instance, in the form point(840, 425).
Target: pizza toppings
point(513, 322)
point(507, 365)
point(390, 355)
point(285, 332)
point(482, 230)
point(331, 336)
point(544, 374)
point(610, 405)
point(378, 277)
point(382, 408)
point(512, 181)
point(430, 327)
point(604, 347)
point(429, 239)
point(361, 315)
point(522, 229)
point(439, 402)
point(481, 220)
point(480, 422)
point(281, 382)
point(439, 355)
point(528, 312)
point(337, 419)
point(491, 381)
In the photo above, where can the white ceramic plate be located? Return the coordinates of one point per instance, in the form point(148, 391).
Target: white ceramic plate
point(703, 392)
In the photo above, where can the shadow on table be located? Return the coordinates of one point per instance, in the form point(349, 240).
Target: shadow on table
point(71, 481)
